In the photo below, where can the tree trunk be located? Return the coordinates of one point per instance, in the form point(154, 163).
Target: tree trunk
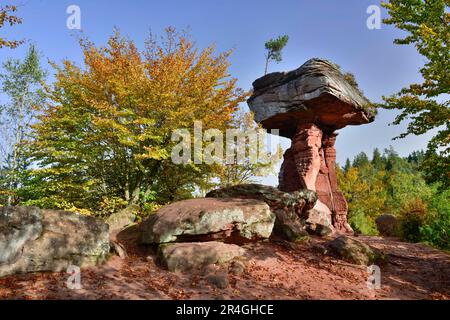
point(267, 64)
point(137, 189)
point(18, 140)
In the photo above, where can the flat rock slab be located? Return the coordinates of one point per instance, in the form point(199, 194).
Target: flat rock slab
point(33, 240)
point(355, 251)
point(299, 200)
point(209, 219)
point(288, 207)
point(317, 92)
point(197, 255)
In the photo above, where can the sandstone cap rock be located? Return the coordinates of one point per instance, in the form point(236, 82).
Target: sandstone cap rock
point(317, 92)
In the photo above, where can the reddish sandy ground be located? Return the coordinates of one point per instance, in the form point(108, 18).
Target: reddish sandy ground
point(275, 271)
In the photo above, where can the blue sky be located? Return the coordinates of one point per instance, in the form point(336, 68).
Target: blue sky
point(330, 29)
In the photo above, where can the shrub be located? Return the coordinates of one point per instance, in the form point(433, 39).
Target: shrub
point(362, 223)
point(436, 228)
point(412, 218)
point(110, 205)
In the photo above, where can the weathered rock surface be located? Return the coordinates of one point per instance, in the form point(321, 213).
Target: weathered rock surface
point(237, 267)
point(289, 208)
point(17, 227)
point(319, 217)
point(119, 249)
point(354, 251)
point(319, 221)
point(186, 256)
point(220, 280)
point(205, 219)
point(311, 163)
point(121, 219)
point(387, 225)
point(307, 105)
point(32, 240)
point(316, 92)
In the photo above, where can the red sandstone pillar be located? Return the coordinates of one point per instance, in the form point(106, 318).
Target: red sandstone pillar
point(311, 163)
point(329, 192)
point(306, 145)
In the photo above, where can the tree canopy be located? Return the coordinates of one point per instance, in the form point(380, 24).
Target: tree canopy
point(425, 105)
point(106, 132)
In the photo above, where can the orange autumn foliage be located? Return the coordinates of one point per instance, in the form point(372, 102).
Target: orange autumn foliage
point(107, 129)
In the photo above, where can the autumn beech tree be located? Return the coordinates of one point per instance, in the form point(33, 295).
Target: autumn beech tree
point(106, 133)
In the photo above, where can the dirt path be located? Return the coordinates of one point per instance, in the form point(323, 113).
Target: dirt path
point(275, 271)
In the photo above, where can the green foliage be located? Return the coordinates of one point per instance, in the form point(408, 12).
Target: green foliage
point(401, 187)
point(274, 48)
point(364, 190)
point(412, 216)
point(22, 83)
point(104, 138)
point(246, 170)
point(362, 223)
point(360, 160)
point(391, 184)
point(436, 227)
point(44, 202)
point(99, 139)
point(425, 105)
point(377, 160)
point(436, 169)
point(347, 165)
point(109, 205)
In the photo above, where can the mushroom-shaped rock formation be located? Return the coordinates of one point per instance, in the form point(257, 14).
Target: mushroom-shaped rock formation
point(308, 105)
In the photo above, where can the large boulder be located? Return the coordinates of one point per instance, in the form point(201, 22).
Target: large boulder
point(354, 251)
point(198, 255)
point(387, 225)
point(289, 208)
point(32, 240)
point(206, 219)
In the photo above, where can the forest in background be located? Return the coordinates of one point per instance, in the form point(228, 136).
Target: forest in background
point(387, 183)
